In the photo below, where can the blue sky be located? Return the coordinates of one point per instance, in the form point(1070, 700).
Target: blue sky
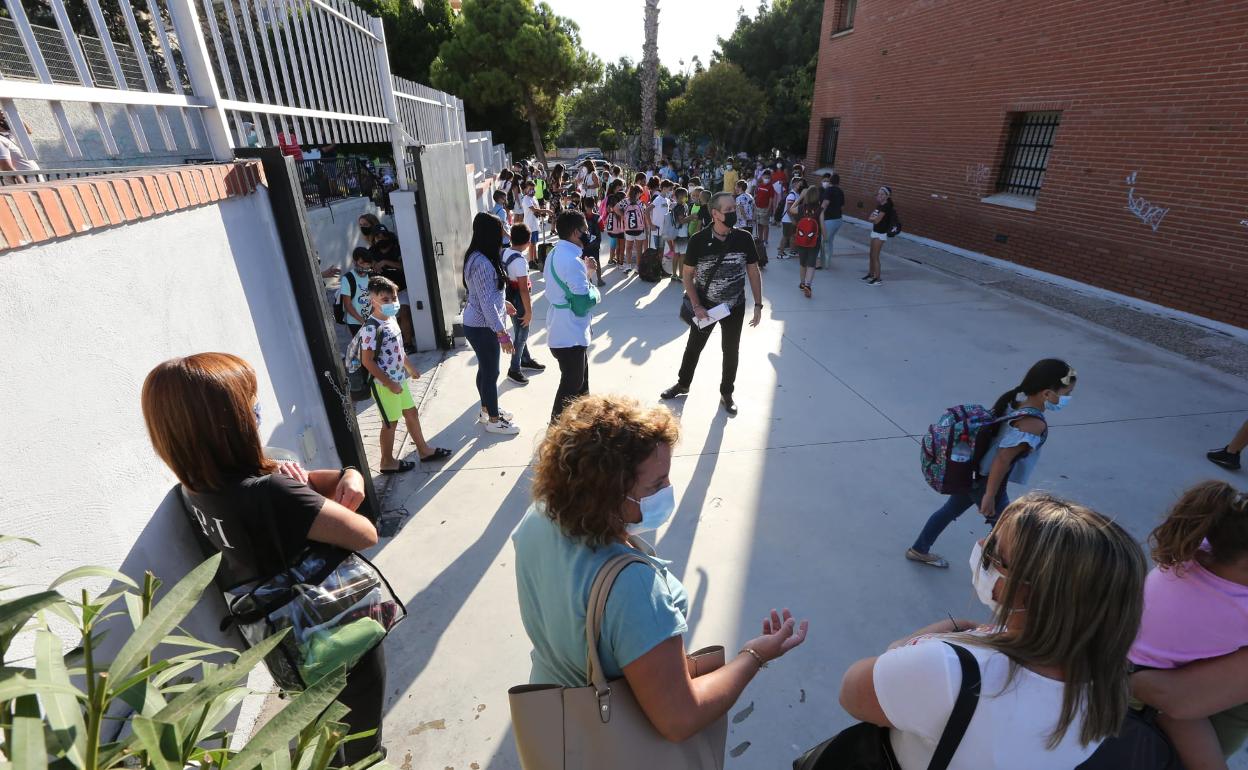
point(615, 28)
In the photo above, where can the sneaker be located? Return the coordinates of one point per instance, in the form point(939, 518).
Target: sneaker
point(532, 365)
point(866, 277)
point(875, 281)
point(484, 416)
point(930, 559)
point(504, 427)
point(517, 377)
point(1224, 458)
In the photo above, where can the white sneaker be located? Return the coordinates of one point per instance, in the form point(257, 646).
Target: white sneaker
point(484, 416)
point(503, 426)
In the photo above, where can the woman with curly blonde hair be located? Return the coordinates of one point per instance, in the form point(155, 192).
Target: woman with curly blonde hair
point(601, 478)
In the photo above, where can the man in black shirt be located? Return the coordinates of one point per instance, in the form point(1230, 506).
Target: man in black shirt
point(832, 201)
point(718, 262)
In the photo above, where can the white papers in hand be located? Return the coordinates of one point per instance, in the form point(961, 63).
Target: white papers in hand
point(716, 313)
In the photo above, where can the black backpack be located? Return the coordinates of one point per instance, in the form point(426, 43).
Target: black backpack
point(894, 227)
point(650, 266)
point(340, 314)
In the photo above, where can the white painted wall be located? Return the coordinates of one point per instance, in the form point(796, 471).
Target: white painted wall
point(335, 229)
point(82, 321)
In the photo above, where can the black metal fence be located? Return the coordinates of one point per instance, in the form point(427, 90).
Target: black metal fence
point(329, 179)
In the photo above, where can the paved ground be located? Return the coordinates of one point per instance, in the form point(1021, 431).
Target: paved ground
point(807, 499)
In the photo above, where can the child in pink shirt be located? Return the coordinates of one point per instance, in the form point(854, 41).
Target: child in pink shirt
point(1196, 603)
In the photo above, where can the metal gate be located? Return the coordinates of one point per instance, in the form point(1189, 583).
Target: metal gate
point(445, 208)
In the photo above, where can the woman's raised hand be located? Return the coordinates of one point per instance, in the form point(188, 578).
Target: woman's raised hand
point(780, 634)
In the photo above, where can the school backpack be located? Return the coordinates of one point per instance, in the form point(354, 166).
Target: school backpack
point(359, 378)
point(806, 234)
point(542, 250)
point(340, 315)
point(650, 267)
point(955, 444)
point(512, 293)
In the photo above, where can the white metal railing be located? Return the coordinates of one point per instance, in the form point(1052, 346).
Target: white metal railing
point(231, 73)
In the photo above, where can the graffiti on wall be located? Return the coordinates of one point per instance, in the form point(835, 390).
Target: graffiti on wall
point(870, 167)
point(1144, 211)
point(977, 177)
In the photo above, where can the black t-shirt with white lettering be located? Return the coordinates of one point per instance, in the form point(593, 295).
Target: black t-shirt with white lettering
point(738, 251)
point(259, 524)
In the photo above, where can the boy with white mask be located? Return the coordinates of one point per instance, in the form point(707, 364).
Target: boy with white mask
point(379, 347)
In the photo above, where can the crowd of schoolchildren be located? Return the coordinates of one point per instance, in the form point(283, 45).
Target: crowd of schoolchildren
point(1081, 633)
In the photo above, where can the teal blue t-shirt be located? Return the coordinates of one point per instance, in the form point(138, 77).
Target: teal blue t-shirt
point(554, 573)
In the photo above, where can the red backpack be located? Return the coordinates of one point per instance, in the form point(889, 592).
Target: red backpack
point(806, 234)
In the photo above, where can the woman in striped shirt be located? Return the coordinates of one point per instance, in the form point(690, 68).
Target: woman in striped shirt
point(485, 316)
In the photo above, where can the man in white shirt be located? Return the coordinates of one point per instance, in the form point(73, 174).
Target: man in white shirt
point(570, 289)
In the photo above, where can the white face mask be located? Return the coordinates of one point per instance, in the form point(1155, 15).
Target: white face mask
point(656, 509)
point(984, 578)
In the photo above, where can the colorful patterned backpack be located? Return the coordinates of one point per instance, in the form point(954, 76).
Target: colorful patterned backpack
point(954, 445)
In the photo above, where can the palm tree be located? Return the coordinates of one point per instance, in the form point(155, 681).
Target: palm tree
point(649, 83)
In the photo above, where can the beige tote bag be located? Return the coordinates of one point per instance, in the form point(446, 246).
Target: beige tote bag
point(601, 726)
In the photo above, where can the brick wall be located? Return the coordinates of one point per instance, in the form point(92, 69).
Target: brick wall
point(924, 88)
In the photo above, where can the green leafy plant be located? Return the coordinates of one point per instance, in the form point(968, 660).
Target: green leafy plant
point(63, 713)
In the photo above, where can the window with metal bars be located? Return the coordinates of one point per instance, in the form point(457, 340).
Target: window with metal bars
point(827, 144)
point(845, 15)
point(1027, 152)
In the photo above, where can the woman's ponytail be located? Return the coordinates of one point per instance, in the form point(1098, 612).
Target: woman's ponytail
point(1211, 510)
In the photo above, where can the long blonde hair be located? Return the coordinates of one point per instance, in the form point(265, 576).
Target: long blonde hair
point(1080, 579)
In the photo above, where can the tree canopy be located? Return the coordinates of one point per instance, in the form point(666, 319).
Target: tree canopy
point(413, 33)
point(514, 55)
point(778, 50)
point(720, 103)
point(615, 102)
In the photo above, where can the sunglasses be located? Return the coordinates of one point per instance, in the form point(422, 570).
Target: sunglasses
point(991, 557)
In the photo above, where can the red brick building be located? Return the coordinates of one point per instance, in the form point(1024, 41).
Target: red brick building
point(1106, 142)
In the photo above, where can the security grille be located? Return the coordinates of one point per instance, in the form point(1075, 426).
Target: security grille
point(1027, 152)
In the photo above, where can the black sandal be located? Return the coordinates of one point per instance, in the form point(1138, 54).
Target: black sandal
point(404, 467)
point(437, 455)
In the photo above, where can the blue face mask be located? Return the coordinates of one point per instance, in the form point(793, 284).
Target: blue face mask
point(255, 409)
point(390, 309)
point(1062, 403)
point(655, 510)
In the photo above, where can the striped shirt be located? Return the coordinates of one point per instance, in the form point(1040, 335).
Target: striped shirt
point(485, 299)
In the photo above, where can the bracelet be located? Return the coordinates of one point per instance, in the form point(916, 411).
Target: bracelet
point(755, 655)
point(343, 472)
point(758, 305)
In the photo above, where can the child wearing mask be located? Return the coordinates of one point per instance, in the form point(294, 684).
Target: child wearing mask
point(379, 348)
point(745, 206)
point(681, 219)
point(500, 211)
point(661, 217)
point(636, 224)
point(764, 198)
point(615, 221)
point(353, 290)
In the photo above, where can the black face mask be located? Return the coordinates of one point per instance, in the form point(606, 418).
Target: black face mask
point(730, 219)
point(366, 230)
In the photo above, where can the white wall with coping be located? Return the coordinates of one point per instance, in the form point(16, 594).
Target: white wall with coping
point(1069, 283)
point(82, 321)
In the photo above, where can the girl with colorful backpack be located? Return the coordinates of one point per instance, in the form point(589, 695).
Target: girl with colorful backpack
point(1003, 446)
point(807, 235)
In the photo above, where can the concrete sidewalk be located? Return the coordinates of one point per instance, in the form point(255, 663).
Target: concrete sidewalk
point(807, 499)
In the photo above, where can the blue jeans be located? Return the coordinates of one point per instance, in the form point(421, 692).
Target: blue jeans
point(954, 507)
point(830, 226)
point(484, 343)
point(519, 339)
